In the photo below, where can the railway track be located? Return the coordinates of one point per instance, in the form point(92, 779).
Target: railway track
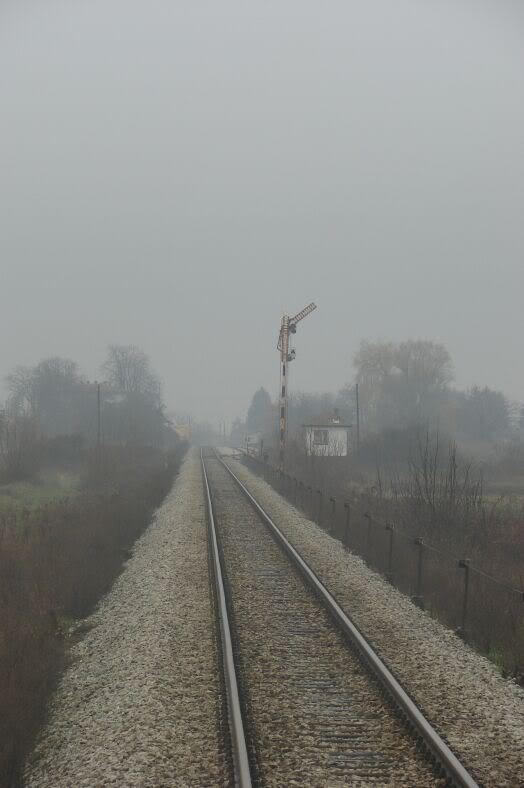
point(309, 701)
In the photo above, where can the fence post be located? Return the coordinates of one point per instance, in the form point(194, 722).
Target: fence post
point(368, 537)
point(346, 530)
point(333, 505)
point(464, 564)
point(417, 599)
point(295, 490)
point(310, 502)
point(301, 495)
point(319, 519)
point(389, 572)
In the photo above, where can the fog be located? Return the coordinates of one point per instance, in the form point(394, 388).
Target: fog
point(176, 175)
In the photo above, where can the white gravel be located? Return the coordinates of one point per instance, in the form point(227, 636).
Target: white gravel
point(140, 704)
point(479, 713)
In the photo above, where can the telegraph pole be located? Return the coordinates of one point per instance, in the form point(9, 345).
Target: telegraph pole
point(288, 326)
point(358, 417)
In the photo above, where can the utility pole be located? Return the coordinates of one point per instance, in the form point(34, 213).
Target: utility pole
point(98, 420)
point(358, 417)
point(288, 326)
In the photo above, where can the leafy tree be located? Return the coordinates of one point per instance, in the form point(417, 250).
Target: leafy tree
point(238, 430)
point(483, 414)
point(259, 412)
point(304, 407)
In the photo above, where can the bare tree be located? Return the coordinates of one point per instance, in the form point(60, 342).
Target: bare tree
point(441, 494)
point(138, 418)
point(402, 384)
point(128, 369)
point(51, 392)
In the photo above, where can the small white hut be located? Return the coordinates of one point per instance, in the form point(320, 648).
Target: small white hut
point(253, 443)
point(327, 438)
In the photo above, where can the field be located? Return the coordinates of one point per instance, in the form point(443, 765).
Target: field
point(49, 486)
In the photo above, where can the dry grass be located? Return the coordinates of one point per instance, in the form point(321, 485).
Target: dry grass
point(49, 486)
point(445, 506)
point(56, 561)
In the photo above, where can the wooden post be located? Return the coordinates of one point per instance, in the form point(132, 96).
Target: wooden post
point(346, 531)
point(368, 537)
point(389, 572)
point(333, 507)
point(464, 564)
point(417, 599)
point(319, 519)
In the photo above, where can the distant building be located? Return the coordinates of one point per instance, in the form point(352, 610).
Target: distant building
point(327, 438)
point(183, 431)
point(253, 443)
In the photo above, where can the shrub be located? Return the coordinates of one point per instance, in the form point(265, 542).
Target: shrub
point(55, 564)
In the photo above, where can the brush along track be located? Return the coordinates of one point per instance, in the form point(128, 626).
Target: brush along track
point(141, 703)
point(312, 714)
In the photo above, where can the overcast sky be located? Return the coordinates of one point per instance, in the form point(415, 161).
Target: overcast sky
point(177, 174)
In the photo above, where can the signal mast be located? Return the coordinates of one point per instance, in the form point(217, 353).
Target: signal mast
point(288, 326)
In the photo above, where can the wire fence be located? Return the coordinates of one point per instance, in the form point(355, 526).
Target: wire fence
point(484, 610)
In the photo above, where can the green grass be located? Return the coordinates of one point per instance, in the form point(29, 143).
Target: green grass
point(49, 486)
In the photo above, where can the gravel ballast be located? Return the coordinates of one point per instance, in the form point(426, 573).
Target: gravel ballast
point(315, 717)
point(478, 712)
point(140, 704)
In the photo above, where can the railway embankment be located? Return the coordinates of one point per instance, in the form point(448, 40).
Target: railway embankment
point(143, 703)
point(139, 704)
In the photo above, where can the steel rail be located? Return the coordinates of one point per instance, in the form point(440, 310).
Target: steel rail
point(422, 727)
point(236, 722)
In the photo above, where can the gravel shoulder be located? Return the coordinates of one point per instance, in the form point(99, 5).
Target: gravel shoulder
point(479, 713)
point(140, 704)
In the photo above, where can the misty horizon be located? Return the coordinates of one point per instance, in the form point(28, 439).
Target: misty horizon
point(178, 177)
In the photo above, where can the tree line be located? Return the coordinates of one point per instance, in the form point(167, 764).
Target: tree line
point(53, 399)
point(402, 386)
point(409, 384)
